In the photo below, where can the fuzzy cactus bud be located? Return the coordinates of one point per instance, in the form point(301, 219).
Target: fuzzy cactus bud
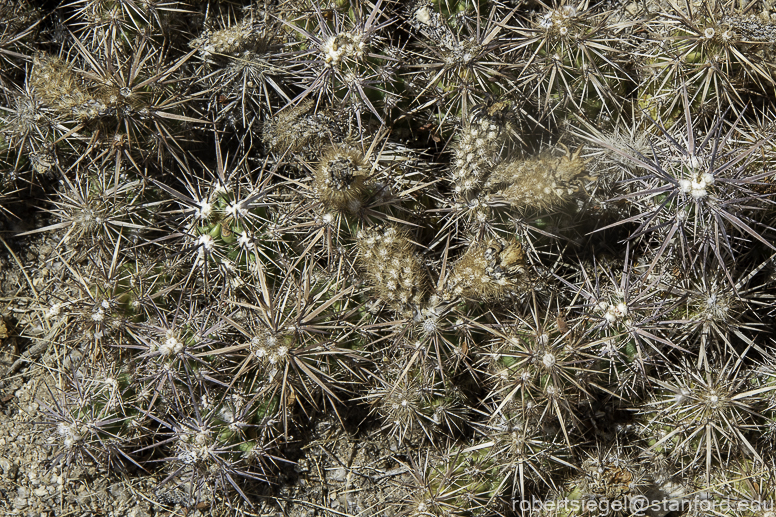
point(475, 154)
point(57, 86)
point(340, 179)
point(392, 267)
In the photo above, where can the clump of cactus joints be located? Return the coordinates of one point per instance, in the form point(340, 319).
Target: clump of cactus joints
point(719, 55)
point(571, 58)
point(465, 482)
point(514, 251)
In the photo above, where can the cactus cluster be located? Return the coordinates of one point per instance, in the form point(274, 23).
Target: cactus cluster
point(531, 246)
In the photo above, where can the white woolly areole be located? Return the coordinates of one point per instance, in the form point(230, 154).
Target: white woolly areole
point(244, 240)
point(699, 178)
point(236, 210)
point(203, 210)
point(171, 346)
point(206, 242)
point(696, 185)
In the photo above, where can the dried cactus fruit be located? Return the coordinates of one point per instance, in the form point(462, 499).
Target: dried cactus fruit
point(538, 182)
point(489, 270)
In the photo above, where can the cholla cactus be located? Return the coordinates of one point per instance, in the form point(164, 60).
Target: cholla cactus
point(98, 210)
point(90, 415)
point(571, 58)
point(701, 416)
point(464, 483)
point(697, 188)
point(242, 65)
point(612, 482)
point(342, 56)
point(460, 61)
point(415, 402)
point(526, 251)
point(543, 367)
point(712, 50)
point(527, 455)
point(22, 22)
